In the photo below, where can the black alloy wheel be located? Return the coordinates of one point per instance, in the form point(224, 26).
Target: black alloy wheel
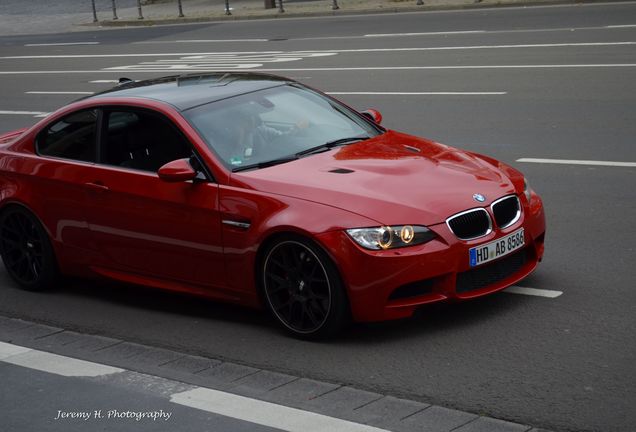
point(26, 251)
point(303, 289)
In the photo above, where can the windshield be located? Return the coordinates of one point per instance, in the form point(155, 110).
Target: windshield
point(275, 125)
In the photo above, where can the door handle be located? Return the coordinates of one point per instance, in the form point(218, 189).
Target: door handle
point(237, 224)
point(97, 186)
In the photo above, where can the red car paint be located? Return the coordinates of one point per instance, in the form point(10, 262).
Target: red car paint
point(134, 227)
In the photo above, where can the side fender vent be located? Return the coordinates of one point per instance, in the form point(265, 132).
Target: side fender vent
point(412, 149)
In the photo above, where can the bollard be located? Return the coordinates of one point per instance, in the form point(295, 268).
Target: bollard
point(94, 11)
point(227, 7)
point(114, 10)
point(334, 5)
point(139, 10)
point(280, 6)
point(180, 9)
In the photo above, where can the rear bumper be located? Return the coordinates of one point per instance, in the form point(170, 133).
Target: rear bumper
point(391, 284)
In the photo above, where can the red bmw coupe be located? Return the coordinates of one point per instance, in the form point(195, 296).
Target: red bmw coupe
point(255, 189)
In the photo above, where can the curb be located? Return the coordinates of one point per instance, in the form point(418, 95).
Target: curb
point(339, 12)
point(331, 399)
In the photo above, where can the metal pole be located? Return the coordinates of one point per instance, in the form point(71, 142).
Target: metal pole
point(227, 7)
point(180, 9)
point(139, 10)
point(335, 6)
point(114, 10)
point(280, 6)
point(94, 11)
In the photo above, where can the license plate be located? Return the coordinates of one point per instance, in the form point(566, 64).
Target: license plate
point(487, 252)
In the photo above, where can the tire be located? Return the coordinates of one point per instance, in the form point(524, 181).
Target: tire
point(26, 250)
point(302, 288)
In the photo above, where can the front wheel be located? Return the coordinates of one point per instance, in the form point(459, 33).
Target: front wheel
point(302, 288)
point(26, 250)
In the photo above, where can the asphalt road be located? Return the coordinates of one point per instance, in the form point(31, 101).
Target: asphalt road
point(546, 82)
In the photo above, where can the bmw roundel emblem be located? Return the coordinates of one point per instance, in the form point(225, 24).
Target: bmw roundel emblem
point(479, 197)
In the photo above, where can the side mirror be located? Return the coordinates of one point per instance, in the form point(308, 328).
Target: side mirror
point(373, 115)
point(177, 171)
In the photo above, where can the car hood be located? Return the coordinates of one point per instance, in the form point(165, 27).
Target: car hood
point(393, 179)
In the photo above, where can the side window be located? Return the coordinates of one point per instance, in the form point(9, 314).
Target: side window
point(142, 140)
point(73, 137)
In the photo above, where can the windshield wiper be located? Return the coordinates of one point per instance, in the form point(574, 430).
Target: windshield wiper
point(331, 144)
point(265, 164)
point(322, 147)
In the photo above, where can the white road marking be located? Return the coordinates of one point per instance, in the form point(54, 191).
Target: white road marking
point(533, 292)
point(74, 56)
point(577, 162)
point(226, 404)
point(9, 350)
point(326, 52)
point(223, 61)
point(53, 363)
point(213, 40)
point(389, 68)
point(61, 44)
point(58, 92)
point(421, 93)
point(424, 34)
point(334, 69)
point(33, 113)
point(621, 26)
point(530, 30)
point(480, 47)
point(265, 413)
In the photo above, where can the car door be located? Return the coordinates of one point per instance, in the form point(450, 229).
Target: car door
point(148, 230)
point(68, 148)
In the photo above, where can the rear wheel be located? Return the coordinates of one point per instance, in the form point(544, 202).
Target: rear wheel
point(302, 288)
point(26, 250)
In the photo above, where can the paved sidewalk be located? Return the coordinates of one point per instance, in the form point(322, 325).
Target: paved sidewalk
point(329, 399)
point(45, 16)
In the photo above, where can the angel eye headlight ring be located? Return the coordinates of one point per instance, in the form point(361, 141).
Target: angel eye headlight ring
point(390, 237)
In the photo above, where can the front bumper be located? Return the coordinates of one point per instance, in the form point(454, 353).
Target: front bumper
point(391, 284)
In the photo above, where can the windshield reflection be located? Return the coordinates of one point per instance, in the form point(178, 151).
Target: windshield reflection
point(277, 124)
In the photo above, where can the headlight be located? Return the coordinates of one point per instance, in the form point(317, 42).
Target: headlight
point(386, 237)
point(526, 189)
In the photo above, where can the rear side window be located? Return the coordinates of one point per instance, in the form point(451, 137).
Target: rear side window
point(73, 137)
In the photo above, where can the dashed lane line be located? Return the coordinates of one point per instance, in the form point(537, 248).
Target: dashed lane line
point(33, 113)
point(40, 114)
point(60, 44)
point(577, 162)
point(424, 33)
point(58, 92)
point(333, 69)
point(533, 292)
point(439, 93)
point(358, 50)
